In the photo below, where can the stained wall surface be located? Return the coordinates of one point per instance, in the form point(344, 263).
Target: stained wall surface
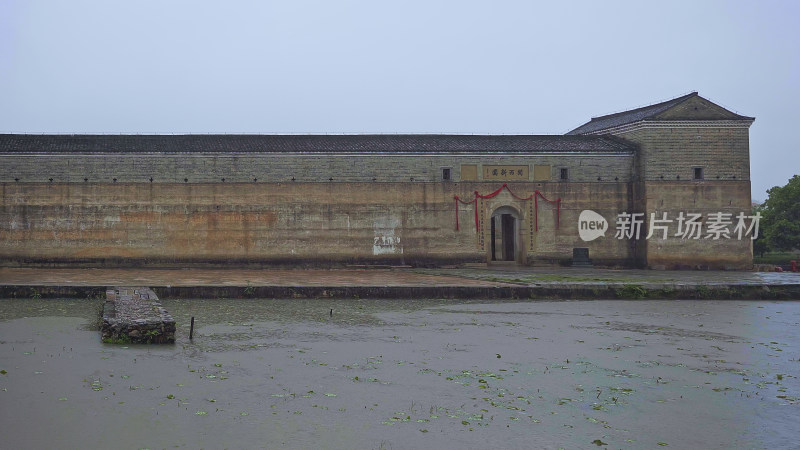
point(292, 223)
point(706, 249)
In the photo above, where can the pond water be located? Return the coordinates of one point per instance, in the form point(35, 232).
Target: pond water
point(406, 374)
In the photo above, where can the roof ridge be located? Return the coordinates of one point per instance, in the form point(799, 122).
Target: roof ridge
point(671, 102)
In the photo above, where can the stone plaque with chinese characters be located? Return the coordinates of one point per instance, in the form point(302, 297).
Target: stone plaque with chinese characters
point(505, 173)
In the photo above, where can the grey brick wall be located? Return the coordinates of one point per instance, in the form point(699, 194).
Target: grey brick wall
point(211, 168)
point(669, 153)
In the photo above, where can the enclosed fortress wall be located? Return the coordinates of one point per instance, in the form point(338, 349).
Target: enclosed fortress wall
point(178, 200)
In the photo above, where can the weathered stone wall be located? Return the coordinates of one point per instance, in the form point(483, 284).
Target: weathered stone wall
point(282, 167)
point(705, 197)
point(294, 223)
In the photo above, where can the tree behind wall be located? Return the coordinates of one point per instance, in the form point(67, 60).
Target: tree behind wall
point(781, 222)
point(760, 243)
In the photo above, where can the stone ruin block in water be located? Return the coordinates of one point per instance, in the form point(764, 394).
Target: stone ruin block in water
point(134, 315)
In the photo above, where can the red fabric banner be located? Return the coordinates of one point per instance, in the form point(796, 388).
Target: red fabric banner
point(535, 196)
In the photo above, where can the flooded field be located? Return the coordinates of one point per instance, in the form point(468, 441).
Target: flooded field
point(411, 374)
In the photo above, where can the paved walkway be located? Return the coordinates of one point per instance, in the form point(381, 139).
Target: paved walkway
point(464, 277)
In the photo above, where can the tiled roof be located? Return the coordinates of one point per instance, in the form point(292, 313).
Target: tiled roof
point(358, 143)
point(634, 115)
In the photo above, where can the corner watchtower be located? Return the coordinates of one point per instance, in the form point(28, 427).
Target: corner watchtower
point(693, 156)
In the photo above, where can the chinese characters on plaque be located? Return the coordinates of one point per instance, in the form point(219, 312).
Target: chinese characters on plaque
point(506, 173)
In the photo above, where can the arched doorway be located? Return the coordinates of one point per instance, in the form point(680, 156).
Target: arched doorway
point(504, 237)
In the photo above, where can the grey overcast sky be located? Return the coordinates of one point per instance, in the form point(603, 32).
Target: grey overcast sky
point(484, 67)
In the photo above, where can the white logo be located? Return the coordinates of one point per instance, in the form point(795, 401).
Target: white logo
point(591, 225)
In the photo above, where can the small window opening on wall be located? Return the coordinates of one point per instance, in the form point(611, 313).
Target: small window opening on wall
point(698, 173)
point(563, 174)
point(446, 174)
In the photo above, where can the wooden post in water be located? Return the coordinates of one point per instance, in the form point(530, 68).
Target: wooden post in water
point(191, 329)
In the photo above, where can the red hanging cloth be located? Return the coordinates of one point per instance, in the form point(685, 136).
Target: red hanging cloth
point(535, 196)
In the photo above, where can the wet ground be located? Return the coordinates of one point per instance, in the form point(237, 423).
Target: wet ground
point(532, 275)
point(479, 275)
point(228, 277)
point(406, 374)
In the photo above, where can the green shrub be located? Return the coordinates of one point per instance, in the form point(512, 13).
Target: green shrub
point(630, 291)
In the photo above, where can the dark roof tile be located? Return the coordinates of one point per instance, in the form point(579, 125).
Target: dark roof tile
point(626, 117)
point(359, 143)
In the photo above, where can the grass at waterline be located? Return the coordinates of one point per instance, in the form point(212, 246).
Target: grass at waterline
point(779, 258)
